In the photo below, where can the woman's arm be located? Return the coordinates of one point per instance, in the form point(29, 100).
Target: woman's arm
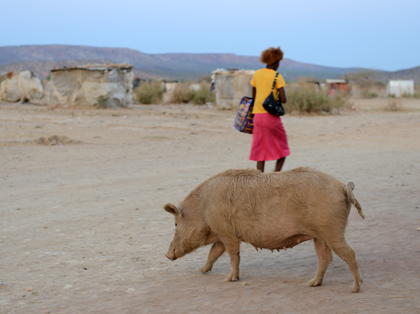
point(254, 92)
point(282, 95)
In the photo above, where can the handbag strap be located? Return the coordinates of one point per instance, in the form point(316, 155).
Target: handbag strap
point(275, 80)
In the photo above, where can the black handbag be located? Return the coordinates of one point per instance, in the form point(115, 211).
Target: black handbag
point(272, 105)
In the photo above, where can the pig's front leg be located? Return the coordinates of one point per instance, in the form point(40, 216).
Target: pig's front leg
point(215, 252)
point(233, 250)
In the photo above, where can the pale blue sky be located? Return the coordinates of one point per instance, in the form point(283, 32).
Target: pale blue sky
point(366, 33)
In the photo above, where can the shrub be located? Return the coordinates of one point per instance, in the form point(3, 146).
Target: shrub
point(182, 94)
point(203, 95)
point(103, 101)
point(394, 104)
point(366, 81)
point(149, 92)
point(414, 95)
point(306, 97)
point(372, 95)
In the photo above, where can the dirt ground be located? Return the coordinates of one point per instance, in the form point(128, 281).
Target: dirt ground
point(82, 229)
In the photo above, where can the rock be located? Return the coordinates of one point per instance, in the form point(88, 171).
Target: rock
point(244, 284)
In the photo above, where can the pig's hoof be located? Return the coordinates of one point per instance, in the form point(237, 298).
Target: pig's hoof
point(314, 282)
point(205, 269)
point(356, 286)
point(231, 277)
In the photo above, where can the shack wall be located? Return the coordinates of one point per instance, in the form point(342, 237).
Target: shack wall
point(85, 87)
point(231, 86)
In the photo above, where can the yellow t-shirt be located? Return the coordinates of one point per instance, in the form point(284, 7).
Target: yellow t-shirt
point(263, 81)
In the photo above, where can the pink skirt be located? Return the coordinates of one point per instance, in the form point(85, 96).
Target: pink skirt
point(269, 140)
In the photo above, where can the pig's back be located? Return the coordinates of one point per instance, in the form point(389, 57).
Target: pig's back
point(250, 204)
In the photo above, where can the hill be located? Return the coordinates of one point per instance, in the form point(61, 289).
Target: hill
point(407, 74)
point(40, 59)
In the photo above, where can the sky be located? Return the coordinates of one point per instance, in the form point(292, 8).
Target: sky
point(372, 34)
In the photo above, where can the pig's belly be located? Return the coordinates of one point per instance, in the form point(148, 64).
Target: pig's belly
point(280, 243)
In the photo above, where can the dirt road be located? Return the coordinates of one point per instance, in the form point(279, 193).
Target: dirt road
point(82, 229)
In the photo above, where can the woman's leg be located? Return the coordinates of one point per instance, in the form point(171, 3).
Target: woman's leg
point(260, 165)
point(279, 164)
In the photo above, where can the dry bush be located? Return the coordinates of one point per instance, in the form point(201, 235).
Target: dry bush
point(182, 94)
point(149, 92)
point(368, 82)
point(203, 95)
point(416, 93)
point(305, 97)
point(394, 104)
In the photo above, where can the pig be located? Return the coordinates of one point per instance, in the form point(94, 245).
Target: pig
point(272, 211)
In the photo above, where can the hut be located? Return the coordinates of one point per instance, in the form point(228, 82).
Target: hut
point(400, 88)
point(340, 85)
point(23, 86)
point(169, 87)
point(230, 86)
point(105, 85)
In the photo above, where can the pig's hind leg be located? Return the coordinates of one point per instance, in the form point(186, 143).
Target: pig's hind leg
point(324, 259)
point(215, 252)
point(347, 254)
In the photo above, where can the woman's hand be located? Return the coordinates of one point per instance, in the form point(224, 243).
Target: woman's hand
point(282, 95)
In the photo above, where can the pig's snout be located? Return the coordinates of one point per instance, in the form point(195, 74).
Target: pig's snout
point(171, 255)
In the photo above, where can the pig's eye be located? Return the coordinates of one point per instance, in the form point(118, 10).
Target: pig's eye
point(176, 225)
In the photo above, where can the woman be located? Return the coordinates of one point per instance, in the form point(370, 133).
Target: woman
point(269, 141)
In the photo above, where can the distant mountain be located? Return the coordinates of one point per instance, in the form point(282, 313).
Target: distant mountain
point(42, 69)
point(407, 74)
point(41, 59)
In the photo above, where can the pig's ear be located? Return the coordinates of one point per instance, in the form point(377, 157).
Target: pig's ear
point(172, 209)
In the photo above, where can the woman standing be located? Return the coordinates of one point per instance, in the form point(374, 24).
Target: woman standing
point(269, 140)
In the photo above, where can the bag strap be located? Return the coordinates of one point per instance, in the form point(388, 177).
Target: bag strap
point(275, 80)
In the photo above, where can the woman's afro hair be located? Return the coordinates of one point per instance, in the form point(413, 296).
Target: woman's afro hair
point(271, 55)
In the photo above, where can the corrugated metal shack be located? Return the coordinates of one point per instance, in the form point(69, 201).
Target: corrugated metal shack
point(400, 88)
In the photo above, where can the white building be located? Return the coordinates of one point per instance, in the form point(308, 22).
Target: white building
point(399, 88)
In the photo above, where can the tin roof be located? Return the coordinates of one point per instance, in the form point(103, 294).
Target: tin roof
point(339, 81)
point(97, 67)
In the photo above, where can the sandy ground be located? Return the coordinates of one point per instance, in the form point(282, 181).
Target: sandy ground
point(82, 229)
